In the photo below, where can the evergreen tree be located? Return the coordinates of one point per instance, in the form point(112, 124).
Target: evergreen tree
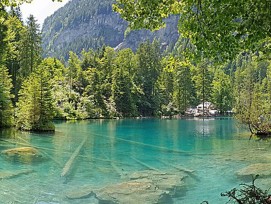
point(14, 45)
point(202, 77)
point(221, 91)
point(165, 86)
point(93, 91)
point(184, 90)
point(74, 72)
point(35, 105)
point(3, 33)
point(123, 88)
point(122, 93)
point(149, 69)
point(31, 47)
point(6, 108)
point(106, 68)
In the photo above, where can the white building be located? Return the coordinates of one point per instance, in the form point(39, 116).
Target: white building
point(208, 107)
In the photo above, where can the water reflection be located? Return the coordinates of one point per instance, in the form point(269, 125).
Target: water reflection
point(117, 148)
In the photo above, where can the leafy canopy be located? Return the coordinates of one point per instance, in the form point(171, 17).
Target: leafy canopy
point(16, 2)
point(218, 29)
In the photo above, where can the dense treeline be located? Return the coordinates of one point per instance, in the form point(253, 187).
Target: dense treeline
point(108, 83)
point(105, 83)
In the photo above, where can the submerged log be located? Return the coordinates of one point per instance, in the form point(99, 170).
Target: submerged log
point(68, 166)
point(180, 168)
point(8, 174)
point(145, 165)
point(39, 148)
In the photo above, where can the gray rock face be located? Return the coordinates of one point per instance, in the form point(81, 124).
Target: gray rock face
point(84, 24)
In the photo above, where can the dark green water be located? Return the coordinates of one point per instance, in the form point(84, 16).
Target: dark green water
point(215, 149)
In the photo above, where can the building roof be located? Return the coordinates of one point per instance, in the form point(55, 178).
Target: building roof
point(206, 105)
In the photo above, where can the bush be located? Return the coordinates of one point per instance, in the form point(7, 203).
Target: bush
point(248, 194)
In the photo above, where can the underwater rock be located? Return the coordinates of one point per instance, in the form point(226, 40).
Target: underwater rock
point(135, 191)
point(10, 174)
point(263, 183)
point(21, 151)
point(83, 192)
point(164, 181)
point(25, 155)
point(147, 186)
point(262, 169)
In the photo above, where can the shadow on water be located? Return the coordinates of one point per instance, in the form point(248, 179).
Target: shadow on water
point(9, 133)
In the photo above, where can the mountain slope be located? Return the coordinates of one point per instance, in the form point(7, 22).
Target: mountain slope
point(84, 24)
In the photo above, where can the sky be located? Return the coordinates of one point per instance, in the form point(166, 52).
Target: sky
point(41, 9)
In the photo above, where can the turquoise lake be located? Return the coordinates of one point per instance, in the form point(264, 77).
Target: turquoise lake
point(210, 150)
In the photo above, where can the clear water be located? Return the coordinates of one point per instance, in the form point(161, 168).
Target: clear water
point(214, 148)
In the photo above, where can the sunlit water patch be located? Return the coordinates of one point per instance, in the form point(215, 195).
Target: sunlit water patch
point(128, 161)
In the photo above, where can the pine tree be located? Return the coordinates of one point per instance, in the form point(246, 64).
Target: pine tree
point(35, 105)
point(14, 45)
point(149, 69)
point(31, 47)
point(221, 91)
point(184, 90)
point(121, 90)
point(202, 77)
point(3, 33)
point(6, 108)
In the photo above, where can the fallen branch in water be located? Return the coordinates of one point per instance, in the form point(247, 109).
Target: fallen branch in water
point(68, 166)
point(42, 152)
point(248, 194)
point(26, 143)
point(146, 165)
point(183, 169)
point(114, 166)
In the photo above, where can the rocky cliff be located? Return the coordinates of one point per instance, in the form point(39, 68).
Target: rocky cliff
point(85, 24)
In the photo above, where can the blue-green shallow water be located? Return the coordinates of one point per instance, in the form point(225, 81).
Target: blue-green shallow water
point(214, 148)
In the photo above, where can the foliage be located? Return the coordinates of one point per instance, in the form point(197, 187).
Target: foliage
point(6, 108)
point(202, 76)
point(218, 29)
point(252, 105)
point(16, 2)
point(35, 106)
point(14, 50)
point(221, 93)
point(148, 71)
point(31, 47)
point(248, 194)
point(107, 83)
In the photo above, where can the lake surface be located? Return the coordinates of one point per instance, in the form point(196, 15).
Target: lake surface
point(211, 150)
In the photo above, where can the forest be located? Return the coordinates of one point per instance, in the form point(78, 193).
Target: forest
point(108, 83)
